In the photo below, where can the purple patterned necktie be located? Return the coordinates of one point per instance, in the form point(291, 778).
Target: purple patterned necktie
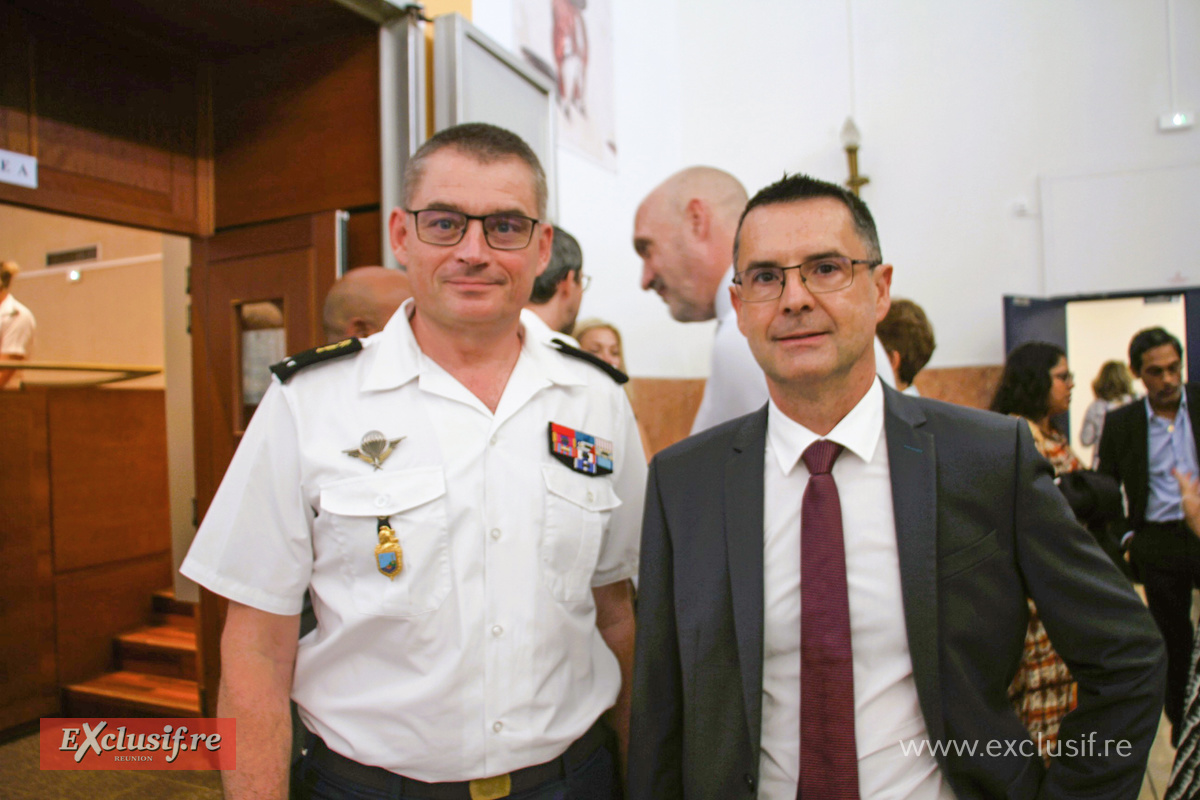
point(828, 759)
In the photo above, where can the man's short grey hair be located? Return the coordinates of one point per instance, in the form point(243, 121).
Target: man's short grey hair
point(566, 261)
point(486, 144)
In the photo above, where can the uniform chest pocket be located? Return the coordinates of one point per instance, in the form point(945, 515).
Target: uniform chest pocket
point(577, 511)
point(413, 502)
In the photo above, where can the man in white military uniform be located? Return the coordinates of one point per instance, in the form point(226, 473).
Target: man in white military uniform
point(464, 501)
point(17, 326)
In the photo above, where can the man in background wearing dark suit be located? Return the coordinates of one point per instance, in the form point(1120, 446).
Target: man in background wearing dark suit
point(1143, 444)
point(833, 588)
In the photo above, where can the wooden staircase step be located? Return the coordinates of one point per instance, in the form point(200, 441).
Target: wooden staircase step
point(165, 603)
point(168, 650)
point(132, 694)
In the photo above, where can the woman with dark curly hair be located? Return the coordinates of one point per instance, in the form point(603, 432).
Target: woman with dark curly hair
point(1036, 385)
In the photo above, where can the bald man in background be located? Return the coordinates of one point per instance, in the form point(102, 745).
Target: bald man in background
point(362, 301)
point(684, 232)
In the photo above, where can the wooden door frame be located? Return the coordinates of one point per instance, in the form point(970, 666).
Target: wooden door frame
point(213, 412)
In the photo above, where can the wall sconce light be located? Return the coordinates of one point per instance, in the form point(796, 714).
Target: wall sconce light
point(850, 140)
point(74, 276)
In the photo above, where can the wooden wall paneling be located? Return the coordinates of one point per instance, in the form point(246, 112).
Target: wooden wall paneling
point(114, 122)
point(665, 408)
point(28, 688)
point(109, 482)
point(966, 386)
point(95, 605)
point(365, 238)
point(293, 260)
point(296, 129)
point(16, 82)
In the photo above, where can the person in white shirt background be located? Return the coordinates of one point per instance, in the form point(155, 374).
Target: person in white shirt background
point(558, 291)
point(17, 326)
point(684, 231)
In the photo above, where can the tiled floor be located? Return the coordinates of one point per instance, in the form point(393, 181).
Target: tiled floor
point(1158, 771)
point(22, 779)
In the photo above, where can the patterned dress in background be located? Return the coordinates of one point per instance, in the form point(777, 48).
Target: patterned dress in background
point(1185, 774)
point(1043, 690)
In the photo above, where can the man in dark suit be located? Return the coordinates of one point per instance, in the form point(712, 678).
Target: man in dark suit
point(1142, 445)
point(879, 544)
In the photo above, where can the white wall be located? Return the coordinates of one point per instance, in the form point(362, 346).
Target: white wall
point(963, 108)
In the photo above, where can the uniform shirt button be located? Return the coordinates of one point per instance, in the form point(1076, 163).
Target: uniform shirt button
point(492, 440)
point(381, 501)
point(495, 533)
point(497, 630)
point(591, 497)
point(497, 726)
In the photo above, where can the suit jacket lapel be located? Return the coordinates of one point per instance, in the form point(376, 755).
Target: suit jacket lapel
point(1139, 448)
point(1193, 400)
point(913, 463)
point(744, 541)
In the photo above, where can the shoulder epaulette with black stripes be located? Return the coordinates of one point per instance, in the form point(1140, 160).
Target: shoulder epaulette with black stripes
point(293, 364)
point(595, 361)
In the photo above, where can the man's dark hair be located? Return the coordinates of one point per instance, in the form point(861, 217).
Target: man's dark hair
point(566, 262)
point(906, 330)
point(486, 144)
point(1149, 339)
point(798, 187)
point(1024, 387)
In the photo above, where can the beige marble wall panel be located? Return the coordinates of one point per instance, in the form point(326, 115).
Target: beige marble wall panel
point(665, 407)
point(966, 386)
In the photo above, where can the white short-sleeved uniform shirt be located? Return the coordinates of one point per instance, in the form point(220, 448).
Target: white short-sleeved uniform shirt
point(482, 655)
point(16, 328)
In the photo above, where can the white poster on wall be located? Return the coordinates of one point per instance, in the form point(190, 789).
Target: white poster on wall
point(570, 41)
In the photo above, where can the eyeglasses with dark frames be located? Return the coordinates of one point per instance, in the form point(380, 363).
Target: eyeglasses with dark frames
point(761, 284)
point(445, 228)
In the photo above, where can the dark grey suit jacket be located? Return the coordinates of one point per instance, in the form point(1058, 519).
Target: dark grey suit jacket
point(979, 524)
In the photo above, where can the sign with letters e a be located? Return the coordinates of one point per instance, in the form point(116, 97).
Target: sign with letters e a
point(18, 168)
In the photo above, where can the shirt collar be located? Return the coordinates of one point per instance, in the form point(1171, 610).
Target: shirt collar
point(1151, 416)
point(859, 431)
point(539, 345)
point(722, 304)
point(398, 357)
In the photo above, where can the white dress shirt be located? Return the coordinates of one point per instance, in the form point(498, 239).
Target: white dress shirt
point(886, 710)
point(482, 655)
point(736, 384)
point(17, 327)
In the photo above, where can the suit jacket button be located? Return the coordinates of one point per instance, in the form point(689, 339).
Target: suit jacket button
point(750, 782)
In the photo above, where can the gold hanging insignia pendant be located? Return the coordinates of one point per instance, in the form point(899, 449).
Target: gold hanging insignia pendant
point(389, 558)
